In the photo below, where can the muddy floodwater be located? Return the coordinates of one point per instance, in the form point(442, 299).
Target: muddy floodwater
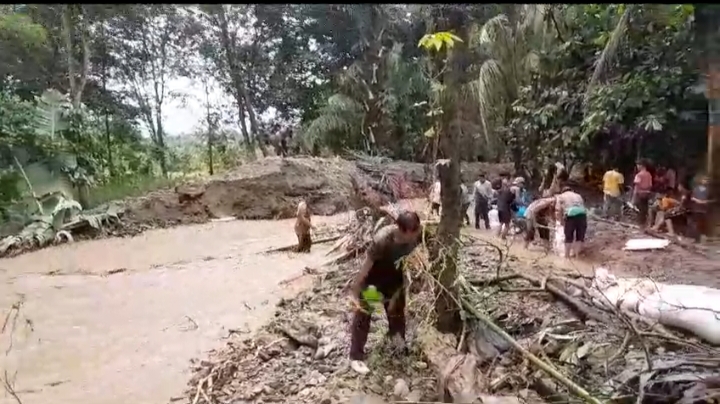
point(118, 320)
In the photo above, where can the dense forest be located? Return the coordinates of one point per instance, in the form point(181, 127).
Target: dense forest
point(84, 87)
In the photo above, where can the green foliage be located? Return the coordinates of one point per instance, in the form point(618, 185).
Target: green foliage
point(438, 41)
point(641, 90)
point(81, 82)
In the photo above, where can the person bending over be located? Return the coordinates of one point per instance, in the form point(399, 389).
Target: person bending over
point(570, 211)
point(383, 270)
point(537, 217)
point(668, 207)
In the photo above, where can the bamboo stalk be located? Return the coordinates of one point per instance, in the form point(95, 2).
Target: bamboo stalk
point(552, 372)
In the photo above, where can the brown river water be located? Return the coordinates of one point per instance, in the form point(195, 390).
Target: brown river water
point(118, 320)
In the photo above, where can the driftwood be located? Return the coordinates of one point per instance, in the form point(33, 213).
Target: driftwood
point(290, 247)
point(459, 376)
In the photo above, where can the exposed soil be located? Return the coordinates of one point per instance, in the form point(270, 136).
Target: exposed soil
point(271, 189)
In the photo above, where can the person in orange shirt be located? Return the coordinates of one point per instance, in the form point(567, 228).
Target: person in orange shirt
point(667, 207)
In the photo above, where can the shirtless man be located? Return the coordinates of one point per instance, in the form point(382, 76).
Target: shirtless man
point(382, 270)
point(537, 216)
point(571, 213)
point(302, 228)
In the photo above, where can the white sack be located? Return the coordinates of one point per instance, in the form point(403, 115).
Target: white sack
point(639, 244)
point(692, 308)
point(494, 219)
point(688, 307)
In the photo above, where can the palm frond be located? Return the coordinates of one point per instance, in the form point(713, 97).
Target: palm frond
point(611, 48)
point(52, 108)
point(340, 114)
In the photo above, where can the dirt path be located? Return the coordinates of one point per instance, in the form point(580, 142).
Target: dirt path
point(117, 320)
point(672, 265)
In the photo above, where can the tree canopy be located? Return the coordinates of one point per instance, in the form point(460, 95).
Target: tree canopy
point(86, 87)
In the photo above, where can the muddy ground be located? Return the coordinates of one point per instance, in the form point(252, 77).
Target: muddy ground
point(100, 320)
point(271, 189)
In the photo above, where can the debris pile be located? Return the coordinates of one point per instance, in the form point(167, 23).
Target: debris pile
point(302, 357)
point(531, 334)
point(563, 347)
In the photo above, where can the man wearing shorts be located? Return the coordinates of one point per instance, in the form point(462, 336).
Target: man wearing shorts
point(570, 211)
point(536, 216)
point(383, 269)
point(505, 202)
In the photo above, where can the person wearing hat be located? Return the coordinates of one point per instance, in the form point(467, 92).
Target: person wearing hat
point(518, 188)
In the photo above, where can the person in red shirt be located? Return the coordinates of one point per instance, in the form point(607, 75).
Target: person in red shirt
point(642, 191)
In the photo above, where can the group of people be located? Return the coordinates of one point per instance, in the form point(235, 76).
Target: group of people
point(660, 199)
point(382, 271)
point(512, 200)
point(382, 268)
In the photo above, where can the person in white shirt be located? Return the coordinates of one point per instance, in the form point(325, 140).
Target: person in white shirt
point(483, 194)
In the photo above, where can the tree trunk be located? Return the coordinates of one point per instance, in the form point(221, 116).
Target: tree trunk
point(447, 241)
point(160, 141)
point(254, 127)
point(209, 129)
point(77, 80)
point(106, 109)
point(241, 96)
point(707, 35)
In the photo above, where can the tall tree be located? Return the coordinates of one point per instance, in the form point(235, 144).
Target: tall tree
point(452, 23)
point(152, 48)
point(226, 41)
point(77, 49)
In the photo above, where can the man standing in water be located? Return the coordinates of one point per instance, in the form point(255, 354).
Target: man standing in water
point(435, 198)
point(382, 270)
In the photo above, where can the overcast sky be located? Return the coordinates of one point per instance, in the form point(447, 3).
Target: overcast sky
point(185, 116)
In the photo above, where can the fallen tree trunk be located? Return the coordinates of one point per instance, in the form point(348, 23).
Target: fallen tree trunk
point(458, 374)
